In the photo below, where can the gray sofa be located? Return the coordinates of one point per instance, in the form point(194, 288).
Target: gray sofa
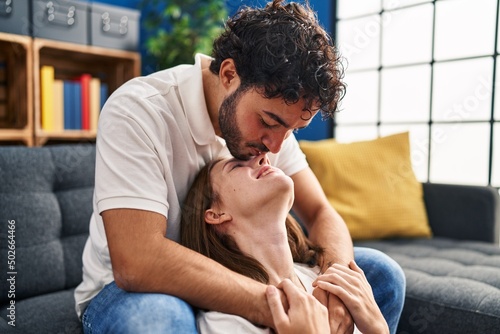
point(453, 279)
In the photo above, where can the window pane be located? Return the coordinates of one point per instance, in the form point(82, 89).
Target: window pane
point(359, 42)
point(495, 176)
point(460, 153)
point(346, 134)
point(497, 91)
point(419, 146)
point(498, 36)
point(407, 35)
point(360, 102)
point(462, 90)
point(392, 4)
point(406, 94)
point(349, 8)
point(464, 28)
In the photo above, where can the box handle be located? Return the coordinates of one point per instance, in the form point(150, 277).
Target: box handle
point(114, 28)
point(5, 7)
point(60, 15)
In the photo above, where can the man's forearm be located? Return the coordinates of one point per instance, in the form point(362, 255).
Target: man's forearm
point(325, 226)
point(144, 260)
point(330, 232)
point(206, 284)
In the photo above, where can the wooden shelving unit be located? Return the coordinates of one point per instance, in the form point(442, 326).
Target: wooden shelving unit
point(113, 67)
point(16, 89)
point(20, 115)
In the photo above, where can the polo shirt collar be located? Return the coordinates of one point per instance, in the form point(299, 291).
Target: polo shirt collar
point(195, 107)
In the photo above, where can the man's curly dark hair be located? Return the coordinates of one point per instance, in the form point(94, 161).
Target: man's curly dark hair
point(284, 52)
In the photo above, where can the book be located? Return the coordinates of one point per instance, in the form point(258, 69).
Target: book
point(68, 104)
point(77, 105)
point(95, 102)
point(85, 101)
point(104, 93)
point(47, 97)
point(58, 105)
point(72, 105)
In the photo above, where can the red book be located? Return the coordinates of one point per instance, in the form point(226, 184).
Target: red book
point(85, 96)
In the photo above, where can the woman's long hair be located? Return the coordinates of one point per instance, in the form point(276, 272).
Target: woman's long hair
point(204, 238)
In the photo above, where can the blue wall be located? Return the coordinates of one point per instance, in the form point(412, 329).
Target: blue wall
point(318, 129)
point(123, 3)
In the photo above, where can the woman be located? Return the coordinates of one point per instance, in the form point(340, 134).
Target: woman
point(236, 213)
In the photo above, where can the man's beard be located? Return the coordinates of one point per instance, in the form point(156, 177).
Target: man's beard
point(229, 127)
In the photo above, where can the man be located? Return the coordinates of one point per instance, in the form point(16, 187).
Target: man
point(273, 70)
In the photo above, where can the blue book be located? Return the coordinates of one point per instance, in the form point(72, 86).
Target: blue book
point(104, 93)
point(68, 104)
point(77, 105)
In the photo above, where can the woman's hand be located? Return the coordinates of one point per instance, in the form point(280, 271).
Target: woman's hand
point(352, 288)
point(305, 314)
point(338, 315)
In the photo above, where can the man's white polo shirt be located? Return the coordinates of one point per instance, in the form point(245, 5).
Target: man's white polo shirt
point(154, 136)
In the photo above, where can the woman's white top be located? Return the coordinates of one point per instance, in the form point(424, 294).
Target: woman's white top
point(212, 322)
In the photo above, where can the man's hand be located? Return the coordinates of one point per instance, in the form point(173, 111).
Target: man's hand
point(350, 286)
point(339, 318)
point(305, 314)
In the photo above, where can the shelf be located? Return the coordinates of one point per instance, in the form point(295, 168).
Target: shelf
point(16, 94)
point(24, 135)
point(21, 58)
point(67, 135)
point(111, 66)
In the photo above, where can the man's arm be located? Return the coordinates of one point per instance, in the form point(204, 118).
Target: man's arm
point(327, 229)
point(325, 226)
point(144, 260)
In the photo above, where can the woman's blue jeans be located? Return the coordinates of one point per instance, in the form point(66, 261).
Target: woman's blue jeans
point(114, 310)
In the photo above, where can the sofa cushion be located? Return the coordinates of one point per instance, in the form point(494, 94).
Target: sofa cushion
point(48, 193)
point(51, 313)
point(372, 186)
point(452, 285)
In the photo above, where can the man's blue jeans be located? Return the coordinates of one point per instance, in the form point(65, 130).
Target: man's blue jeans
point(116, 311)
point(387, 280)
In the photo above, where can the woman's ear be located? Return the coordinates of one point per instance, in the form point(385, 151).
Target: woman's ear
point(213, 217)
point(228, 75)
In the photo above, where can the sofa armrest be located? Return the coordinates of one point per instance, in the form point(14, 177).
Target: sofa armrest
point(463, 212)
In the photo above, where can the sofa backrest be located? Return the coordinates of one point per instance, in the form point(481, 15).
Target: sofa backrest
point(45, 207)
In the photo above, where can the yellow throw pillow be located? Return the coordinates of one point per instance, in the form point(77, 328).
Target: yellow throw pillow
point(372, 186)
